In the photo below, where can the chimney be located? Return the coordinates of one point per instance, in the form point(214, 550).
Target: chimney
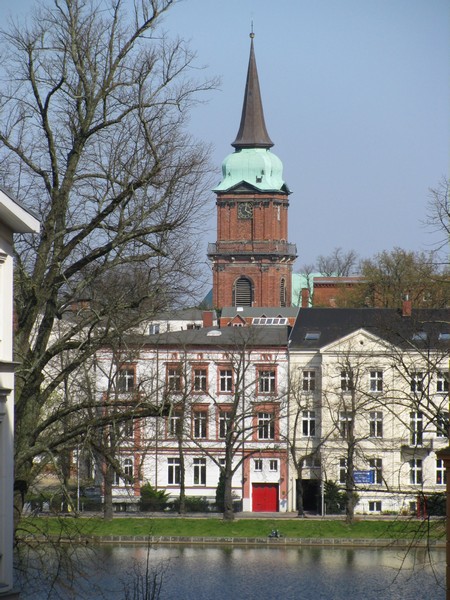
point(406, 307)
point(208, 317)
point(305, 298)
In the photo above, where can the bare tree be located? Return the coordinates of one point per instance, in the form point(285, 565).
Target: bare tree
point(92, 115)
point(338, 264)
point(439, 213)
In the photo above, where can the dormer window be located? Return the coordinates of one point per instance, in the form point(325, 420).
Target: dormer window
point(419, 336)
point(312, 335)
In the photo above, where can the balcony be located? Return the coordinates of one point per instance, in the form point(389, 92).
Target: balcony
point(256, 249)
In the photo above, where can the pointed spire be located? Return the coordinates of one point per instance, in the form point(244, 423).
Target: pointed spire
point(252, 130)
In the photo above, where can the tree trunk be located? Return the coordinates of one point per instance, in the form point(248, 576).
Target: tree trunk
point(108, 485)
point(228, 512)
point(182, 505)
point(299, 490)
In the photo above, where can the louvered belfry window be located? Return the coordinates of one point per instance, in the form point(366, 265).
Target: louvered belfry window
point(283, 292)
point(243, 292)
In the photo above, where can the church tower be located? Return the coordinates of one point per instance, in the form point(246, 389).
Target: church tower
point(252, 260)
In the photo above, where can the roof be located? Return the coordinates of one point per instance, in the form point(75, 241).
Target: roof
point(234, 337)
point(252, 130)
point(184, 314)
point(16, 216)
point(318, 327)
point(259, 311)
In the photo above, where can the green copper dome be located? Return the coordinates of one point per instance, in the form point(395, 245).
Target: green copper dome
point(258, 167)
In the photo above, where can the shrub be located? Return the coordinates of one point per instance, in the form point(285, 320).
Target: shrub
point(193, 504)
point(436, 504)
point(153, 499)
point(334, 499)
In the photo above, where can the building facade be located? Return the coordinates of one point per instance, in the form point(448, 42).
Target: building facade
point(369, 395)
point(14, 218)
point(221, 392)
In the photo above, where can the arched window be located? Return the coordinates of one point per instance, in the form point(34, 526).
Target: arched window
point(243, 292)
point(283, 292)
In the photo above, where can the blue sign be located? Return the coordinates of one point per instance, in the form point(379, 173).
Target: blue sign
point(364, 476)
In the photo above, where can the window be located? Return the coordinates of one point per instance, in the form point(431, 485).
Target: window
point(200, 380)
point(309, 381)
point(266, 426)
point(376, 466)
point(127, 428)
point(153, 328)
point(442, 424)
point(125, 380)
point(312, 336)
point(309, 423)
point(342, 470)
point(376, 424)
point(441, 475)
point(224, 421)
point(442, 382)
point(199, 471)
point(415, 473)
point(175, 424)
point(173, 471)
point(226, 380)
point(266, 381)
point(419, 336)
point(128, 468)
point(174, 379)
point(273, 464)
point(200, 423)
point(269, 321)
point(258, 464)
point(417, 381)
point(375, 506)
point(416, 428)
point(346, 381)
point(312, 462)
point(345, 422)
point(282, 292)
point(242, 292)
point(376, 381)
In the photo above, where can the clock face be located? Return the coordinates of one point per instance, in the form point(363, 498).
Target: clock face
point(245, 210)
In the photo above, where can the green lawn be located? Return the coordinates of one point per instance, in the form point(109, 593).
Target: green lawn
point(240, 528)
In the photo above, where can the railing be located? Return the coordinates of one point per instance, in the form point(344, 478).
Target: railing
point(248, 248)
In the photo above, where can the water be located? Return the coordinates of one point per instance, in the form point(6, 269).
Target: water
point(219, 573)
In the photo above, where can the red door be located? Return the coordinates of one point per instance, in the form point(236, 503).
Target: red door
point(265, 497)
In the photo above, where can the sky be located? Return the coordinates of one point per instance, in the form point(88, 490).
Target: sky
point(356, 101)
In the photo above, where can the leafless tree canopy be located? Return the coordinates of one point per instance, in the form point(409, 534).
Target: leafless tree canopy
point(439, 216)
point(93, 104)
point(338, 263)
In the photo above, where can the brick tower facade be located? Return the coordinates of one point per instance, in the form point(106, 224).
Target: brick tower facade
point(252, 260)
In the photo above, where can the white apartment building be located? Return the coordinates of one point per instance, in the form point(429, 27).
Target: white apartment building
point(207, 382)
point(369, 392)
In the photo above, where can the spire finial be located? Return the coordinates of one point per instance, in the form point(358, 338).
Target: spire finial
point(252, 35)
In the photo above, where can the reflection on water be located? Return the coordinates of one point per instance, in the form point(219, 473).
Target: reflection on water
point(247, 573)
